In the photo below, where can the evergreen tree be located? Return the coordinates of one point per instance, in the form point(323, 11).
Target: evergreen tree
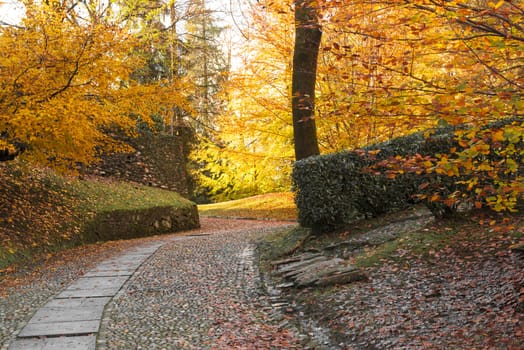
point(205, 64)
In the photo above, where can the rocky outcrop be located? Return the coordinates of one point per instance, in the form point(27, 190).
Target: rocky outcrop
point(331, 264)
point(382, 234)
point(309, 269)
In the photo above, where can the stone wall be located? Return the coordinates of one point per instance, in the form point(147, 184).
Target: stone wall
point(126, 224)
point(158, 161)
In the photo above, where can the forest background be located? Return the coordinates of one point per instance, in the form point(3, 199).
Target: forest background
point(76, 73)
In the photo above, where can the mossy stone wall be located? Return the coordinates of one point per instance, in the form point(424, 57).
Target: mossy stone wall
point(125, 224)
point(158, 160)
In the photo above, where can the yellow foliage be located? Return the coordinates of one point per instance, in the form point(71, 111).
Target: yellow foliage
point(386, 68)
point(493, 165)
point(252, 152)
point(65, 85)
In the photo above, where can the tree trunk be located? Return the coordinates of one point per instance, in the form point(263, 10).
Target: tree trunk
point(307, 43)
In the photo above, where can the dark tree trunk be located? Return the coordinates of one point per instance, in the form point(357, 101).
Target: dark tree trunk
point(307, 43)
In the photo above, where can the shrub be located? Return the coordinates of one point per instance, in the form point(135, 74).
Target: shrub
point(334, 189)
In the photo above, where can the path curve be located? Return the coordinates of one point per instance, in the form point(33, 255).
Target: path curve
point(198, 290)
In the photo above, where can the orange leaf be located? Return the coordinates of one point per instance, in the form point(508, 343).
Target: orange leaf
point(498, 136)
point(424, 185)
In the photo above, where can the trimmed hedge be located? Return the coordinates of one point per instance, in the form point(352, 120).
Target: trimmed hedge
point(331, 190)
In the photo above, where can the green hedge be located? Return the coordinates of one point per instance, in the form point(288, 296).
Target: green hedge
point(333, 189)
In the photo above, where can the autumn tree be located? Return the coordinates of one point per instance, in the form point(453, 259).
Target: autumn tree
point(65, 75)
point(385, 69)
point(252, 151)
point(436, 62)
point(488, 40)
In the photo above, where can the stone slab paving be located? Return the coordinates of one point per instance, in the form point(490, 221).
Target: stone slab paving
point(110, 273)
point(71, 319)
point(72, 303)
point(34, 329)
point(73, 314)
point(86, 342)
point(89, 293)
point(97, 282)
point(116, 265)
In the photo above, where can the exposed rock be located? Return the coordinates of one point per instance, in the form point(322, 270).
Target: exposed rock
point(308, 269)
point(308, 275)
point(295, 258)
point(343, 276)
point(297, 265)
point(330, 265)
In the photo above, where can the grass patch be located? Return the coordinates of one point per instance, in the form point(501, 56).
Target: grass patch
point(277, 206)
point(98, 196)
point(411, 244)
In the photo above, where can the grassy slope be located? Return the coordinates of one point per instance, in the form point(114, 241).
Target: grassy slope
point(42, 212)
point(277, 206)
point(123, 196)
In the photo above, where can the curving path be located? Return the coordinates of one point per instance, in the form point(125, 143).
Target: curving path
point(200, 290)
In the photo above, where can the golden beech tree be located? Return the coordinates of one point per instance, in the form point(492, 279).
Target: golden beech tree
point(366, 92)
point(487, 42)
point(386, 69)
point(64, 73)
point(411, 64)
point(252, 150)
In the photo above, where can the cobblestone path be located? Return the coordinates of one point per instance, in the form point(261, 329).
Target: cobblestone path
point(198, 291)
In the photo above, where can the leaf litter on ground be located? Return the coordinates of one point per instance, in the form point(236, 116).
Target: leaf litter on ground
point(460, 287)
